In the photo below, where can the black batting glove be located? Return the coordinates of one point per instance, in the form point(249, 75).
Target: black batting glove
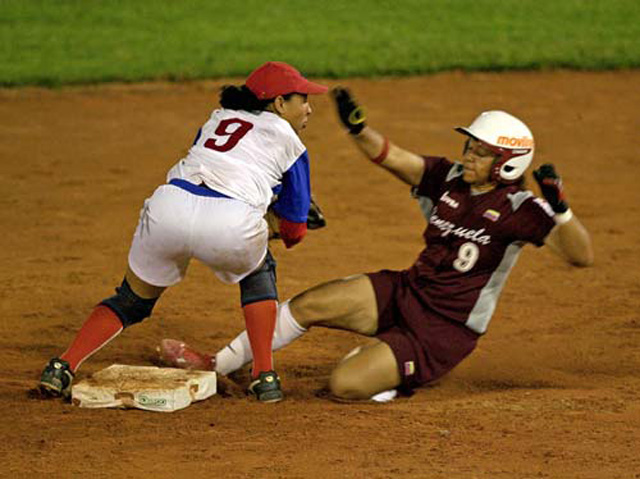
point(351, 114)
point(551, 187)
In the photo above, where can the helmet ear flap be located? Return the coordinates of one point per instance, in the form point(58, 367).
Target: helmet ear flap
point(496, 166)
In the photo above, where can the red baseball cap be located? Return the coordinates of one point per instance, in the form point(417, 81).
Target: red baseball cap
point(278, 78)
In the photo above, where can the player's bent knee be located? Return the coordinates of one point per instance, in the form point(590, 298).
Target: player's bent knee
point(261, 284)
point(345, 386)
point(365, 371)
point(128, 306)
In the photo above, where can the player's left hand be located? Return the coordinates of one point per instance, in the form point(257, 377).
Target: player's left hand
point(551, 187)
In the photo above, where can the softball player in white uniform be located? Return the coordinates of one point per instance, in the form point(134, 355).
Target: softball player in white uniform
point(221, 222)
point(245, 158)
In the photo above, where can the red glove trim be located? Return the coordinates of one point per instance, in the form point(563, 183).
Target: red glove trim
point(383, 154)
point(292, 233)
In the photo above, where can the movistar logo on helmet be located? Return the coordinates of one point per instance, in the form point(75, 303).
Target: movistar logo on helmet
point(515, 142)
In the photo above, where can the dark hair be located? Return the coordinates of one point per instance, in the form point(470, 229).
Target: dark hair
point(241, 98)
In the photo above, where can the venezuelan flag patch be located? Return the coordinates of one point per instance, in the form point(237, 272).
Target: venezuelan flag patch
point(491, 215)
point(409, 368)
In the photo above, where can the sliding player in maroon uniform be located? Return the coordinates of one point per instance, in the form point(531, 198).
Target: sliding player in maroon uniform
point(429, 317)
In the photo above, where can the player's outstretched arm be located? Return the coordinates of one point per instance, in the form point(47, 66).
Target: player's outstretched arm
point(572, 242)
point(569, 238)
point(404, 164)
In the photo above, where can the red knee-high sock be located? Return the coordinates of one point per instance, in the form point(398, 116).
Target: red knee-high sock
point(260, 319)
point(101, 326)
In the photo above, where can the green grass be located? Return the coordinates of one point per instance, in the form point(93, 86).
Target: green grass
point(52, 42)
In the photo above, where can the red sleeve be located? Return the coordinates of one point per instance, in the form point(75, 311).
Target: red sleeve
point(292, 233)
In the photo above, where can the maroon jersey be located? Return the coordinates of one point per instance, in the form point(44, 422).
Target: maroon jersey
point(473, 241)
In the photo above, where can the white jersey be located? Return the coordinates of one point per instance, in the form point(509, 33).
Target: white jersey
point(242, 155)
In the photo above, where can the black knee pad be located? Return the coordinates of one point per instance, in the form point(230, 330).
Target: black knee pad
point(261, 284)
point(128, 306)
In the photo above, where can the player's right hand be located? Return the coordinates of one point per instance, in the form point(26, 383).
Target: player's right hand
point(551, 187)
point(351, 114)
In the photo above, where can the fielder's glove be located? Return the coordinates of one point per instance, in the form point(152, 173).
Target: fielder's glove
point(351, 114)
point(315, 218)
point(551, 187)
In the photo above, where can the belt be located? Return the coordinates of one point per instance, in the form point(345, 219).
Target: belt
point(200, 190)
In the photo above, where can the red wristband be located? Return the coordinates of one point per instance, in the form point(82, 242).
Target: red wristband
point(383, 154)
point(292, 233)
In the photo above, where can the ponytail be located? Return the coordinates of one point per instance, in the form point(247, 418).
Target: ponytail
point(241, 98)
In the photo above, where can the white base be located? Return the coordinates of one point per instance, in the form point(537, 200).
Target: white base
point(143, 387)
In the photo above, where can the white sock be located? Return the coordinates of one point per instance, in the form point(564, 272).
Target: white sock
point(287, 328)
point(234, 355)
point(238, 352)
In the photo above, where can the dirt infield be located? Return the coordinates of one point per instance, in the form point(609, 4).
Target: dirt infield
point(552, 391)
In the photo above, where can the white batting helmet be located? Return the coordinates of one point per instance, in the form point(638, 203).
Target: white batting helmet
point(506, 136)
